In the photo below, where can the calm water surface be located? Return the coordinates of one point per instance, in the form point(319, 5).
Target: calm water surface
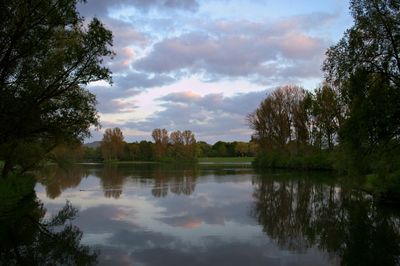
point(221, 215)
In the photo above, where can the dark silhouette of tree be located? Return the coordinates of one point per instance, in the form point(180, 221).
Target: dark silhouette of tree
point(364, 66)
point(47, 54)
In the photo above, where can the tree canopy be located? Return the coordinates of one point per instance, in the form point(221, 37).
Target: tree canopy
point(48, 53)
point(365, 68)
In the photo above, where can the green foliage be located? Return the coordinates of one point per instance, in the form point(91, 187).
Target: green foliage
point(387, 186)
point(48, 54)
point(297, 129)
point(92, 154)
point(365, 68)
point(226, 149)
point(13, 189)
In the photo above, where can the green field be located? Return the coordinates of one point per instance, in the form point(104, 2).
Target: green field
point(226, 160)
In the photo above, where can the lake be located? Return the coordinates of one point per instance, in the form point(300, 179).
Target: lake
point(150, 214)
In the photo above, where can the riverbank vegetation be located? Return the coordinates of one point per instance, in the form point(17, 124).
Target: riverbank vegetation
point(297, 129)
point(177, 146)
point(352, 122)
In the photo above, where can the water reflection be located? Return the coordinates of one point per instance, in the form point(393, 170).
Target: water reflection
point(28, 238)
point(208, 215)
point(57, 179)
point(112, 181)
point(299, 213)
point(175, 179)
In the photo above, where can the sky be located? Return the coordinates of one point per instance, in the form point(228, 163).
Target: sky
point(203, 65)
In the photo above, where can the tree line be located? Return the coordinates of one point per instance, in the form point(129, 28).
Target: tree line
point(168, 147)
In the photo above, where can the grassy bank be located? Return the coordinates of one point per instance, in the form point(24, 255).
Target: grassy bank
point(226, 160)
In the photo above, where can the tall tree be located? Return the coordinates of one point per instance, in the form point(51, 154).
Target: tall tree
point(372, 44)
point(365, 66)
point(47, 54)
point(189, 142)
point(161, 139)
point(328, 115)
point(112, 145)
point(281, 119)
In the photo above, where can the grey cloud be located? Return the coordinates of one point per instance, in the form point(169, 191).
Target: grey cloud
point(125, 33)
point(111, 256)
point(128, 41)
point(311, 21)
point(109, 98)
point(240, 104)
point(259, 52)
point(142, 80)
point(112, 99)
point(307, 22)
point(101, 7)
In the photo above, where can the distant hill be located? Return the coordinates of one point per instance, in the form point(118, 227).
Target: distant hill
point(93, 144)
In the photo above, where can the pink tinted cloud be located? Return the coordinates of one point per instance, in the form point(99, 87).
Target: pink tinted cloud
point(127, 55)
point(298, 45)
point(235, 49)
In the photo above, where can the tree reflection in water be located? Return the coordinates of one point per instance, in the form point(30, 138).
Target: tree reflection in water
point(299, 213)
point(164, 178)
point(176, 179)
point(30, 239)
point(112, 180)
point(57, 179)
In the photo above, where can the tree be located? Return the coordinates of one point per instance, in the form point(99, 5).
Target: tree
point(47, 54)
point(204, 149)
point(177, 142)
point(327, 112)
point(112, 145)
point(372, 44)
point(241, 148)
point(282, 118)
point(146, 149)
point(365, 67)
point(161, 139)
point(189, 142)
point(219, 148)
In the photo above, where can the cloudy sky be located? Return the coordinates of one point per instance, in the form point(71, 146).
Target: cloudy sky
point(203, 65)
